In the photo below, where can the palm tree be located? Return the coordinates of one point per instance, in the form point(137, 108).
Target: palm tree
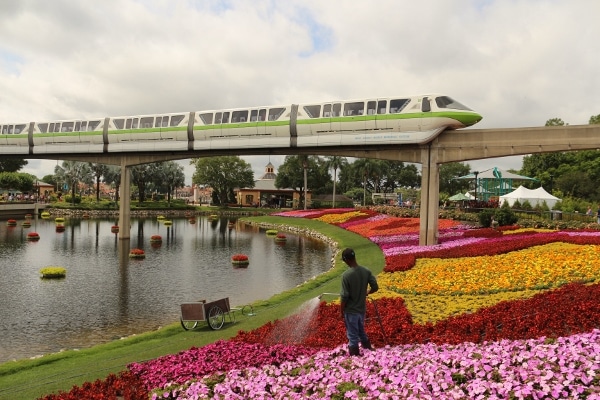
point(335, 163)
point(72, 173)
point(98, 171)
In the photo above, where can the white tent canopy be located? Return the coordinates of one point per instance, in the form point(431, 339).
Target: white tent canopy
point(534, 197)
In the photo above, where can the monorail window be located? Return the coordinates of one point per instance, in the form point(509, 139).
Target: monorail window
point(351, 109)
point(161, 122)
point(5, 129)
point(119, 123)
point(92, 125)
point(381, 106)
point(67, 127)
point(218, 118)
point(176, 119)
point(313, 111)
point(132, 123)
point(239, 116)
point(275, 113)
point(262, 114)
point(225, 119)
point(146, 122)
point(447, 102)
point(371, 108)
point(337, 109)
point(78, 126)
point(207, 118)
point(83, 126)
point(397, 105)
point(327, 111)
point(19, 128)
point(253, 115)
point(42, 127)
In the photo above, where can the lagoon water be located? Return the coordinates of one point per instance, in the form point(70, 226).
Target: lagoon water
point(107, 295)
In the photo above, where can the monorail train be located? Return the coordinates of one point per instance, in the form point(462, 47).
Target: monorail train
point(391, 120)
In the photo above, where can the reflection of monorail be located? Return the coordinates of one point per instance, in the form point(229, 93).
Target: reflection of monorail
point(394, 120)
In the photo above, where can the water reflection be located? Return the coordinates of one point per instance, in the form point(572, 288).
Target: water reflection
point(107, 295)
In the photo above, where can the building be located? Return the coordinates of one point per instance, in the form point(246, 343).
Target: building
point(265, 194)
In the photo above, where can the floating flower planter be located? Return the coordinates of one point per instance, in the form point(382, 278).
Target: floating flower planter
point(59, 220)
point(240, 260)
point(280, 238)
point(33, 236)
point(28, 216)
point(60, 228)
point(85, 216)
point(137, 253)
point(160, 217)
point(11, 222)
point(26, 224)
point(114, 229)
point(168, 222)
point(213, 217)
point(230, 225)
point(272, 232)
point(45, 215)
point(192, 220)
point(53, 272)
point(155, 239)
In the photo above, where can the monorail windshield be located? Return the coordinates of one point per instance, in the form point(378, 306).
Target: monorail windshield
point(448, 102)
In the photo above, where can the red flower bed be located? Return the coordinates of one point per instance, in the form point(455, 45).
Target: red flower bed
point(239, 257)
point(546, 314)
point(125, 385)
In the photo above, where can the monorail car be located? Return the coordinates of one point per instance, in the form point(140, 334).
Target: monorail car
point(390, 120)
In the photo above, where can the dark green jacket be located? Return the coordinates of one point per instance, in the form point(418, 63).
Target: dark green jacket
point(354, 289)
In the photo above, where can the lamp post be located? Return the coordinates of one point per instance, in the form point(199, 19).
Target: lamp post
point(476, 173)
point(305, 166)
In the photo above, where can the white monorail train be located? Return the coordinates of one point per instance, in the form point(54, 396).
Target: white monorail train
point(391, 120)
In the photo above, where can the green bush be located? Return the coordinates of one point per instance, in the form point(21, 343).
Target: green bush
point(505, 216)
point(485, 217)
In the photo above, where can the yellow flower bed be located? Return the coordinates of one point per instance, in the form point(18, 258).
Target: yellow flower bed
point(433, 308)
point(524, 230)
point(340, 218)
point(538, 267)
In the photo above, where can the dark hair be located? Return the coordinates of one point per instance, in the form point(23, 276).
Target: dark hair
point(348, 254)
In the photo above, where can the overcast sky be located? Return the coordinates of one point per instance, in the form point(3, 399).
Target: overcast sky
point(516, 62)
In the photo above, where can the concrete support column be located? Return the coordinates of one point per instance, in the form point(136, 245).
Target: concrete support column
point(125, 201)
point(430, 196)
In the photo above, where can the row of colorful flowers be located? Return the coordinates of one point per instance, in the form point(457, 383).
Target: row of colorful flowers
point(501, 359)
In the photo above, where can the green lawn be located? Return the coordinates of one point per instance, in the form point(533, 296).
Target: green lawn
point(30, 379)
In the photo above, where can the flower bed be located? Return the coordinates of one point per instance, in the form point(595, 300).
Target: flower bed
point(114, 229)
point(271, 232)
point(45, 215)
point(280, 238)
point(26, 224)
point(541, 342)
point(240, 260)
point(59, 220)
point(137, 253)
point(53, 272)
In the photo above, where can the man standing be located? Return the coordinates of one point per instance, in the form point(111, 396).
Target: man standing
point(353, 301)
